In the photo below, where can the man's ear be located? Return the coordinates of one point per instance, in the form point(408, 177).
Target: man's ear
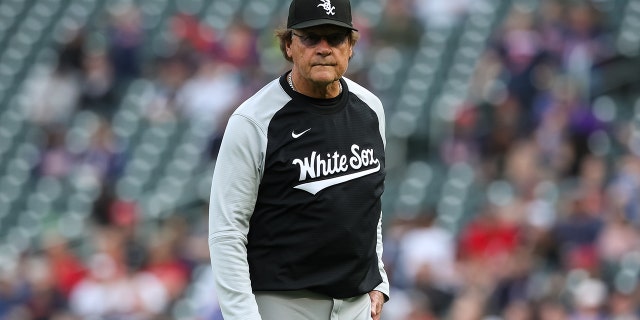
point(287, 47)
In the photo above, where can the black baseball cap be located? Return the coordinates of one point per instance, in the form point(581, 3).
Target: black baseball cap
point(309, 13)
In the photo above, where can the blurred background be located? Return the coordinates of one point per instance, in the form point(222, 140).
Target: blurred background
point(513, 152)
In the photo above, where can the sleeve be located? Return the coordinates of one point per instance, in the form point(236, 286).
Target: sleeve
point(234, 190)
point(384, 285)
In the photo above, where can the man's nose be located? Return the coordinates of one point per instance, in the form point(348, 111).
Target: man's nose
point(323, 46)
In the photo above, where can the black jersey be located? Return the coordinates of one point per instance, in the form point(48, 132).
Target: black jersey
point(299, 181)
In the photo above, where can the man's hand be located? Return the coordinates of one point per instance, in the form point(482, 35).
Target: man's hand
point(377, 300)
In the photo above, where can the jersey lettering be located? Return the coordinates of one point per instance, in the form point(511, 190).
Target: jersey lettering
point(317, 166)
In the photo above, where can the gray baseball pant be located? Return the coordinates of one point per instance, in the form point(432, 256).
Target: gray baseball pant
point(305, 305)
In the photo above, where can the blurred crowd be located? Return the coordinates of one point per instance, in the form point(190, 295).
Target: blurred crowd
point(560, 241)
point(556, 236)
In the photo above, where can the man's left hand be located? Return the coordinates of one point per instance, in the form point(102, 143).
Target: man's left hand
point(377, 300)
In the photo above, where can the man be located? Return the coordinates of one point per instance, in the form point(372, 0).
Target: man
point(295, 213)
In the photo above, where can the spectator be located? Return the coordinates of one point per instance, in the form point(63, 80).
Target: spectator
point(625, 188)
point(14, 292)
point(617, 239)
point(209, 95)
point(238, 47)
point(164, 263)
point(44, 297)
point(125, 39)
point(523, 56)
point(170, 75)
point(551, 20)
point(623, 305)
point(99, 85)
point(576, 119)
point(66, 267)
point(189, 29)
point(588, 299)
point(551, 309)
point(427, 255)
point(398, 27)
point(56, 160)
point(71, 52)
point(441, 14)
point(52, 96)
point(518, 310)
point(462, 145)
point(585, 44)
point(109, 292)
point(468, 305)
point(102, 158)
point(490, 238)
point(576, 235)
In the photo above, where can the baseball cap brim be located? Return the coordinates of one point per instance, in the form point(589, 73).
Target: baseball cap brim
point(318, 22)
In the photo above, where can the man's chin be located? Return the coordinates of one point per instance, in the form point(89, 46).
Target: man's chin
point(324, 78)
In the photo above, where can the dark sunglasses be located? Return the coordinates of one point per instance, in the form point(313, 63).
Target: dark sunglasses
point(312, 39)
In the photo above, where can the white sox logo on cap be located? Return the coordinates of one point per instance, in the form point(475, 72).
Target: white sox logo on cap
point(303, 14)
point(326, 5)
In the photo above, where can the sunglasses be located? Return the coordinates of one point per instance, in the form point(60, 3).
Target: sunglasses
point(312, 39)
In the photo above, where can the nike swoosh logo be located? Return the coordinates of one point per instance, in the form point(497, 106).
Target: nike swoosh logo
point(316, 186)
point(297, 135)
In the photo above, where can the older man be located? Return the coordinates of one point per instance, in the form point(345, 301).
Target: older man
point(295, 210)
